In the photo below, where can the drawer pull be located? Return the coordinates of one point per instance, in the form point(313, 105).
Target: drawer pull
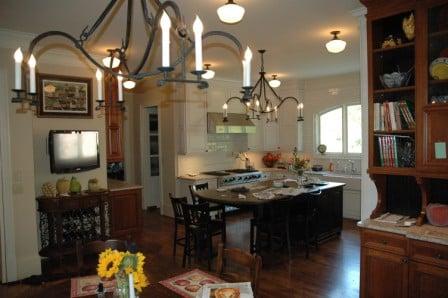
point(440, 257)
point(384, 242)
point(404, 260)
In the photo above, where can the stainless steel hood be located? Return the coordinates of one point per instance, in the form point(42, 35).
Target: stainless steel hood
point(237, 123)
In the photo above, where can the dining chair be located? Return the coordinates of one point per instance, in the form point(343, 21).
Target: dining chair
point(197, 228)
point(194, 188)
point(178, 213)
point(235, 256)
point(273, 225)
point(217, 211)
point(305, 213)
point(87, 253)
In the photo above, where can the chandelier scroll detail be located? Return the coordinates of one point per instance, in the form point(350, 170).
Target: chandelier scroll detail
point(117, 60)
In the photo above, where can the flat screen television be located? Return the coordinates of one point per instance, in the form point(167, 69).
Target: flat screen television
point(73, 151)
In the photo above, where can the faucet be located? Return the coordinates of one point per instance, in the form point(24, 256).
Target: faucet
point(352, 166)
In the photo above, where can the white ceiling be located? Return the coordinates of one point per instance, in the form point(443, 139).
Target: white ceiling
point(293, 31)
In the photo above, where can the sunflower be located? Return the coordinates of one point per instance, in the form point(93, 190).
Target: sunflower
point(140, 261)
point(109, 262)
point(140, 281)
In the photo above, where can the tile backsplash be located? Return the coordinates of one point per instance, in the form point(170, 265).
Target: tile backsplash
point(226, 142)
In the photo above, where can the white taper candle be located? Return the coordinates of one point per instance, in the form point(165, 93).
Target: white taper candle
point(120, 87)
point(99, 84)
point(32, 66)
point(165, 24)
point(18, 58)
point(198, 28)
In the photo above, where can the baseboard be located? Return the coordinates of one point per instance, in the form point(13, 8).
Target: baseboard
point(27, 266)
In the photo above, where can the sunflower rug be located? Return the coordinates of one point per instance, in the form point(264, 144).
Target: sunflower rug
point(187, 285)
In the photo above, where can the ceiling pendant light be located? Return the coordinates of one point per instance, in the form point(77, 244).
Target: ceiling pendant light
point(231, 12)
point(274, 82)
point(336, 45)
point(257, 99)
point(129, 84)
point(209, 74)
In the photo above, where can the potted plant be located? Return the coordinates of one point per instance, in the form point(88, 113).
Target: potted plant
point(270, 159)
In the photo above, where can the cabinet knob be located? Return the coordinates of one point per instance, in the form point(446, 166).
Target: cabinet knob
point(404, 260)
point(440, 257)
point(384, 242)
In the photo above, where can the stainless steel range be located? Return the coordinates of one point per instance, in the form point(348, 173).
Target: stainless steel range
point(236, 177)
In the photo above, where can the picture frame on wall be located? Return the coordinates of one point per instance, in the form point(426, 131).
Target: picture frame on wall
point(64, 96)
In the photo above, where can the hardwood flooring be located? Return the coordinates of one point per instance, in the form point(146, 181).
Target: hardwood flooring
point(332, 271)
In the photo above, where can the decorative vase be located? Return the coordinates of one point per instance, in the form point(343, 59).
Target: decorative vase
point(122, 288)
point(93, 185)
point(75, 186)
point(63, 186)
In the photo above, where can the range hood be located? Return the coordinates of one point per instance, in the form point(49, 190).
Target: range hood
point(237, 123)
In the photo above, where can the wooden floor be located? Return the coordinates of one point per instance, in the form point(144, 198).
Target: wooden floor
point(333, 271)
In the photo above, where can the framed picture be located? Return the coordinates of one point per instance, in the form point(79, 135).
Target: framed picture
point(64, 96)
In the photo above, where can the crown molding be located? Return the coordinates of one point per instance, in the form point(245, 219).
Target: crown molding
point(11, 40)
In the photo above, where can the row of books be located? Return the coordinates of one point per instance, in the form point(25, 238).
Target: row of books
point(396, 151)
point(391, 116)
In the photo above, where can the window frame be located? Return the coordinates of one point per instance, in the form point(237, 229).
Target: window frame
point(344, 152)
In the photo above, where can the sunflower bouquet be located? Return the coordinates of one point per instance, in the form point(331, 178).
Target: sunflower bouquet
point(299, 164)
point(119, 265)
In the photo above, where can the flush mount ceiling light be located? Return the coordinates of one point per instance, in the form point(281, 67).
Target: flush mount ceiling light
point(335, 45)
point(231, 12)
point(275, 83)
point(129, 84)
point(107, 62)
point(209, 74)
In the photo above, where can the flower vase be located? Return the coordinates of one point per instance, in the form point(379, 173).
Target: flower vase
point(122, 288)
point(300, 176)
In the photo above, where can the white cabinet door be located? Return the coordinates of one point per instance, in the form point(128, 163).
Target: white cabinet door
point(290, 130)
point(255, 140)
point(271, 136)
point(195, 129)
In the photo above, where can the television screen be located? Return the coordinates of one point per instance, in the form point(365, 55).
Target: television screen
point(73, 151)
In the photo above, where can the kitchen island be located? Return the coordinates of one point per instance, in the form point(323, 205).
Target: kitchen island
point(329, 203)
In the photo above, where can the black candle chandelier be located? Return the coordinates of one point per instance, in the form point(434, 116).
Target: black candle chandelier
point(154, 22)
point(261, 99)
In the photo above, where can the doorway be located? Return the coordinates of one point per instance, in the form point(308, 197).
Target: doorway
point(151, 157)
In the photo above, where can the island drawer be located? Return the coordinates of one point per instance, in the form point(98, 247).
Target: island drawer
point(429, 253)
point(384, 241)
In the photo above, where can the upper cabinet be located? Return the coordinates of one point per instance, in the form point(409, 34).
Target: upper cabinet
point(408, 87)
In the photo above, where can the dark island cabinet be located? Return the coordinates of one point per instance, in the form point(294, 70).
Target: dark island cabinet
point(330, 213)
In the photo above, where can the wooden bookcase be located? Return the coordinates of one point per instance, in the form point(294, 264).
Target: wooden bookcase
point(418, 174)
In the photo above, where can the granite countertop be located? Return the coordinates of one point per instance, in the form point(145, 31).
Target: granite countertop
point(425, 232)
point(197, 177)
point(117, 185)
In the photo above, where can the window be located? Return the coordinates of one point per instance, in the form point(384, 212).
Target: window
point(340, 129)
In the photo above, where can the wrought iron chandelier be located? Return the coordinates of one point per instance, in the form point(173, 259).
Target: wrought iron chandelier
point(257, 99)
point(116, 62)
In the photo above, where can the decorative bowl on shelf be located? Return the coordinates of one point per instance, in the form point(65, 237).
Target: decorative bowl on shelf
point(317, 168)
point(439, 69)
point(437, 214)
point(396, 79)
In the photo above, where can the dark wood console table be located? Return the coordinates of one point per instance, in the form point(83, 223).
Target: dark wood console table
point(64, 220)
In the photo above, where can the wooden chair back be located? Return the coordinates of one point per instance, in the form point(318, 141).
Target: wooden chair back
point(194, 189)
point(177, 207)
point(196, 215)
point(244, 259)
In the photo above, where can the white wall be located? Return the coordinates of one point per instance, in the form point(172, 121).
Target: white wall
point(29, 159)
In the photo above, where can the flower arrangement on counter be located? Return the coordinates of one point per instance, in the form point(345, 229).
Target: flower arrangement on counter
point(270, 159)
point(299, 164)
point(125, 267)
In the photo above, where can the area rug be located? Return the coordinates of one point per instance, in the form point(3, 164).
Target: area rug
point(87, 286)
point(187, 285)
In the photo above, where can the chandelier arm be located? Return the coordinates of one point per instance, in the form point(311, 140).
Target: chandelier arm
point(160, 10)
point(289, 98)
point(149, 20)
point(125, 45)
point(86, 33)
point(233, 98)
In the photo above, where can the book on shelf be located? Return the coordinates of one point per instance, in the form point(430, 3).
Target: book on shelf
point(396, 151)
point(392, 116)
